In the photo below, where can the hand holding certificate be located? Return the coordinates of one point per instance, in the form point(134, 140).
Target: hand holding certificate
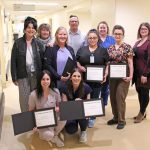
point(94, 73)
point(72, 110)
point(118, 70)
point(26, 121)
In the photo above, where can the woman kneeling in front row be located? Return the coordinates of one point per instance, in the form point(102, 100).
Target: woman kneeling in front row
point(76, 90)
point(46, 96)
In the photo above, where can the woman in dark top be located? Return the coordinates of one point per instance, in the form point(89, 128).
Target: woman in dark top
point(26, 62)
point(142, 69)
point(76, 90)
point(93, 54)
point(56, 57)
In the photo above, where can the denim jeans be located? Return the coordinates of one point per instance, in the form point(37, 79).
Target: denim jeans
point(105, 93)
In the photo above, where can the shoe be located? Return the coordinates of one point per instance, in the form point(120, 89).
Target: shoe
point(112, 122)
point(83, 137)
point(91, 123)
point(139, 118)
point(56, 140)
point(121, 125)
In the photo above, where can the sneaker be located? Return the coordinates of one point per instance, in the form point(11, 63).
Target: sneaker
point(112, 122)
point(121, 125)
point(56, 140)
point(83, 137)
point(91, 123)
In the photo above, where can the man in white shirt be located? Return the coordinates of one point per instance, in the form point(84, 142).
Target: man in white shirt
point(76, 38)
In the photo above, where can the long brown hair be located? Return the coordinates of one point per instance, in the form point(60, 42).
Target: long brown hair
point(80, 88)
point(147, 25)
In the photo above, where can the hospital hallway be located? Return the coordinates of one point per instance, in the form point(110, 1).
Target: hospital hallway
point(101, 137)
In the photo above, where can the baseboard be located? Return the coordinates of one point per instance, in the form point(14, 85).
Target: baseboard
point(2, 103)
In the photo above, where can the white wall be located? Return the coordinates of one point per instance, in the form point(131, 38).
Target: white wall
point(130, 14)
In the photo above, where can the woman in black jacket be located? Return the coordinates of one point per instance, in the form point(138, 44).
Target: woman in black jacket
point(26, 62)
point(56, 57)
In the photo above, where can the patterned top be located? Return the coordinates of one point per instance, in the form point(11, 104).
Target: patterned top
point(121, 54)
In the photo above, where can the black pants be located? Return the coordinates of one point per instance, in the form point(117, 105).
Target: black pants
point(143, 96)
point(96, 88)
point(72, 125)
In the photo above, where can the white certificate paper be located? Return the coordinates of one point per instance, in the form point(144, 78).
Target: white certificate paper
point(93, 108)
point(44, 118)
point(94, 73)
point(118, 71)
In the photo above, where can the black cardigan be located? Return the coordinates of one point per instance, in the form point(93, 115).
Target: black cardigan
point(50, 59)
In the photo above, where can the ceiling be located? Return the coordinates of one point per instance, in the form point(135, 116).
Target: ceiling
point(21, 8)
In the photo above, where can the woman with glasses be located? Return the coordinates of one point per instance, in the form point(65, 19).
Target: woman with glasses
point(93, 54)
point(120, 53)
point(142, 69)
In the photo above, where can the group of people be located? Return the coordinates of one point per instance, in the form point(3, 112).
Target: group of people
point(37, 66)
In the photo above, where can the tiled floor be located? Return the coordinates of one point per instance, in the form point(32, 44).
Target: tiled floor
point(101, 137)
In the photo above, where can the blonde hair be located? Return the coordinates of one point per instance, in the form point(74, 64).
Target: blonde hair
point(56, 38)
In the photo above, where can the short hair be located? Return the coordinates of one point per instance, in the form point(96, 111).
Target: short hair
point(56, 39)
point(103, 22)
point(119, 27)
point(147, 25)
point(31, 20)
point(44, 26)
point(71, 16)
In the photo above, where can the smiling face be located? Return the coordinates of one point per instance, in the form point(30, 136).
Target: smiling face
point(30, 31)
point(103, 29)
point(45, 81)
point(62, 36)
point(118, 35)
point(73, 23)
point(76, 78)
point(144, 31)
point(92, 39)
point(45, 34)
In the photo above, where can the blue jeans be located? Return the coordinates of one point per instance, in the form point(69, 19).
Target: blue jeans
point(105, 93)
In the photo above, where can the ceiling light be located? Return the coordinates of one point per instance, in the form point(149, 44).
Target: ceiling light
point(44, 4)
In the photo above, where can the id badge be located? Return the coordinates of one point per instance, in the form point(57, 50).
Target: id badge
point(32, 68)
point(91, 59)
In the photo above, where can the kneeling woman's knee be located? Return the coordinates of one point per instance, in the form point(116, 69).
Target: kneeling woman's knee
point(46, 135)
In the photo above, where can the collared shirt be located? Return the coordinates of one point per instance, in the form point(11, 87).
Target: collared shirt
point(62, 57)
point(76, 40)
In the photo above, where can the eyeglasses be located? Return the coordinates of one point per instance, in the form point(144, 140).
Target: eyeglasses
point(74, 21)
point(94, 38)
point(143, 29)
point(120, 34)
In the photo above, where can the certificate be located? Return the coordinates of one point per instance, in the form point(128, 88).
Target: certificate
point(45, 118)
point(93, 108)
point(94, 73)
point(118, 70)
